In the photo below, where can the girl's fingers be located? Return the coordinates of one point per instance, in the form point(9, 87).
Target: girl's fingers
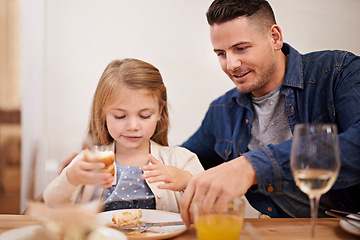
point(154, 173)
point(153, 160)
point(150, 167)
point(91, 166)
point(87, 173)
point(98, 178)
point(108, 183)
point(159, 179)
point(166, 186)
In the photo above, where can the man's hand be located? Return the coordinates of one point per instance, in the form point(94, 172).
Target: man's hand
point(220, 184)
point(174, 178)
point(81, 172)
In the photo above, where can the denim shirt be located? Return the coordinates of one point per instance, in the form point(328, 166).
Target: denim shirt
point(319, 87)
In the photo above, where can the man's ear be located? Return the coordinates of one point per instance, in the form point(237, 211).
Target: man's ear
point(277, 38)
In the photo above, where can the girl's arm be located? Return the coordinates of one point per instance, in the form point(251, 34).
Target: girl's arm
point(66, 161)
point(78, 172)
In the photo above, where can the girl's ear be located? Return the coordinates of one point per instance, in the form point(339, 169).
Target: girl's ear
point(160, 112)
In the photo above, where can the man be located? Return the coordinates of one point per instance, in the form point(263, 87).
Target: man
point(245, 138)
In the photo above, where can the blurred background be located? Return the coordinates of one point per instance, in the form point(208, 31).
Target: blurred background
point(52, 54)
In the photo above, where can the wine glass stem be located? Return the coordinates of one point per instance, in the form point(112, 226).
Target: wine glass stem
point(314, 204)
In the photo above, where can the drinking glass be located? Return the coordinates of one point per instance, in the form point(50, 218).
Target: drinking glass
point(219, 221)
point(315, 162)
point(93, 152)
point(74, 221)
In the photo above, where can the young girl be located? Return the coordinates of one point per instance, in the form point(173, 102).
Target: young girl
point(129, 112)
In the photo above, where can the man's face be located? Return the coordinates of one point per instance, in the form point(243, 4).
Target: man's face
point(247, 54)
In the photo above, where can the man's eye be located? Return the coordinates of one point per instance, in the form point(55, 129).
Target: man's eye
point(220, 54)
point(240, 49)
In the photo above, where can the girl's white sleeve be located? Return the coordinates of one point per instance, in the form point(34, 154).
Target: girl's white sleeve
point(60, 190)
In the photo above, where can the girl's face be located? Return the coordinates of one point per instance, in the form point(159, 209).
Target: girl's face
point(132, 118)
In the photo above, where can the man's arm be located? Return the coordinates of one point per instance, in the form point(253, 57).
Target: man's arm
point(220, 184)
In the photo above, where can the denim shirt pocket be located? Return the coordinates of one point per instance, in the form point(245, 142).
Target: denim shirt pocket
point(224, 149)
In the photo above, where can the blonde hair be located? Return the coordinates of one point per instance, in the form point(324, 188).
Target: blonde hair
point(134, 74)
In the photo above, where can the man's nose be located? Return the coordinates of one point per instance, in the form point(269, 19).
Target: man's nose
point(232, 62)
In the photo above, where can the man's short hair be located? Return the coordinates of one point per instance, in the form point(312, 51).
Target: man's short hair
point(221, 11)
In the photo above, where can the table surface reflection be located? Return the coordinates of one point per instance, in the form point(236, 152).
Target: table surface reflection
point(266, 228)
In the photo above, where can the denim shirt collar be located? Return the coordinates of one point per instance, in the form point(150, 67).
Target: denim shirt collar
point(293, 74)
point(241, 99)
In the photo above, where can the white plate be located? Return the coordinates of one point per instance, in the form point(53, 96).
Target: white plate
point(164, 232)
point(34, 232)
point(104, 233)
point(349, 227)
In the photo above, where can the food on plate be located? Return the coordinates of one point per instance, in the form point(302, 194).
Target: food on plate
point(107, 157)
point(127, 218)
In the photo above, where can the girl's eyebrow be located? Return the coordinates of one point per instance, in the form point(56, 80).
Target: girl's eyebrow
point(117, 109)
point(123, 110)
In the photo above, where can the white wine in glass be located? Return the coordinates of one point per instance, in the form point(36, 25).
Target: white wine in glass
point(315, 161)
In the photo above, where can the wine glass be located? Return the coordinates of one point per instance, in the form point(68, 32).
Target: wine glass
point(315, 162)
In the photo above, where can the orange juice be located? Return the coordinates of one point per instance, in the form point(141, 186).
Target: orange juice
point(216, 227)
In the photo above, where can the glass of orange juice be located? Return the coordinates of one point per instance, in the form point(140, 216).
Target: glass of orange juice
point(219, 221)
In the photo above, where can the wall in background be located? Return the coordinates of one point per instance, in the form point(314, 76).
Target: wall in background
point(9, 55)
point(67, 44)
point(10, 129)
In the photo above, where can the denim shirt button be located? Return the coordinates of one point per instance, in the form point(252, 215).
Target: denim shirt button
point(270, 189)
point(269, 209)
point(247, 121)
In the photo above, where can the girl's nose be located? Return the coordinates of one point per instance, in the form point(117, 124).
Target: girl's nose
point(133, 124)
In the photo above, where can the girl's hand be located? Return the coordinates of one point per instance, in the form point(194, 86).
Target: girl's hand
point(174, 178)
point(81, 172)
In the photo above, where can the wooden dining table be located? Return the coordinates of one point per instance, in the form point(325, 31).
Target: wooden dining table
point(254, 228)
